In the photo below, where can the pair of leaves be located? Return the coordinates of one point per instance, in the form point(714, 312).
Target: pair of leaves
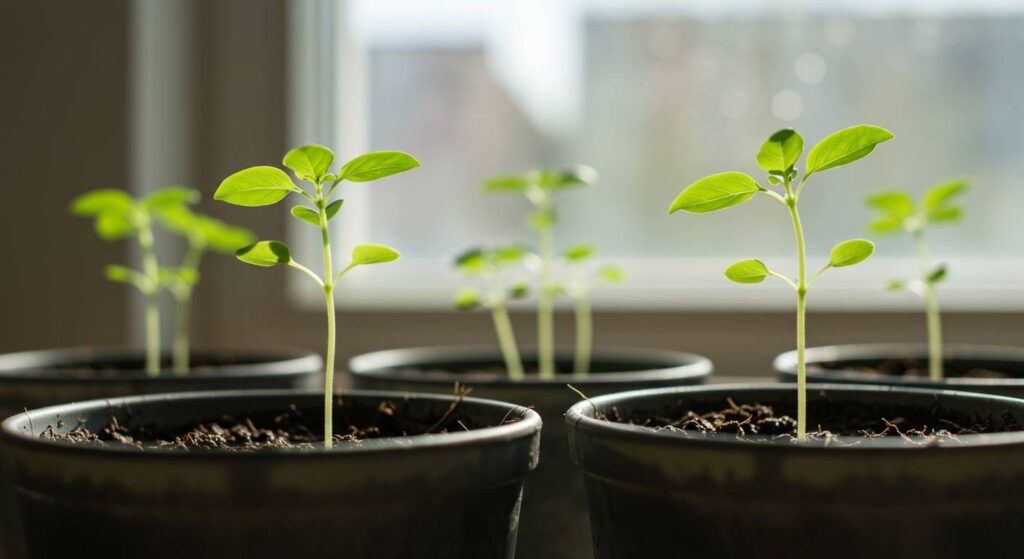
point(264, 185)
point(897, 210)
point(846, 253)
point(477, 260)
point(578, 175)
point(312, 217)
point(207, 231)
point(275, 253)
point(117, 215)
point(778, 155)
point(935, 276)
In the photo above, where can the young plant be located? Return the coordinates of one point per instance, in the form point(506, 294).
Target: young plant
point(264, 186)
point(540, 187)
point(119, 216)
point(778, 157)
point(489, 267)
point(202, 233)
point(578, 289)
point(897, 212)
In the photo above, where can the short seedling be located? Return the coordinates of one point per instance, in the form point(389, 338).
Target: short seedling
point(778, 156)
point(540, 188)
point(578, 289)
point(119, 216)
point(264, 186)
point(202, 233)
point(490, 267)
point(897, 212)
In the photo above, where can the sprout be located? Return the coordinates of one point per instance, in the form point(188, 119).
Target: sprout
point(264, 185)
point(778, 157)
point(897, 212)
point(578, 289)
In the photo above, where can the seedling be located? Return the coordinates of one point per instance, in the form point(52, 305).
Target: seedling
point(897, 212)
point(119, 216)
point(202, 233)
point(540, 187)
point(490, 267)
point(778, 157)
point(578, 289)
point(264, 186)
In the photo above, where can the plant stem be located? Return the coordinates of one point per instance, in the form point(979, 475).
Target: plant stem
point(801, 312)
point(507, 341)
point(935, 365)
point(180, 350)
point(329, 300)
point(151, 269)
point(584, 334)
point(545, 300)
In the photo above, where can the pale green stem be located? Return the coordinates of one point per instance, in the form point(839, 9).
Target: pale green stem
point(507, 341)
point(584, 334)
point(546, 303)
point(329, 300)
point(180, 346)
point(935, 365)
point(801, 312)
point(151, 269)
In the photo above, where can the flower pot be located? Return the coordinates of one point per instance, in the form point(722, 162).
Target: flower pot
point(860, 364)
point(438, 495)
point(33, 379)
point(554, 519)
point(663, 493)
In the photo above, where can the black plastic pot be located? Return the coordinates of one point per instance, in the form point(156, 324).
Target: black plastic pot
point(554, 520)
point(33, 379)
point(450, 495)
point(829, 364)
point(662, 493)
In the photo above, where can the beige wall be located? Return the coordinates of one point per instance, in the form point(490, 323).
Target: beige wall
point(63, 129)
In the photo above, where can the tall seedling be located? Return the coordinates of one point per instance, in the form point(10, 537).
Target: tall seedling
point(897, 212)
point(578, 289)
point(540, 187)
point(119, 216)
point(778, 157)
point(264, 185)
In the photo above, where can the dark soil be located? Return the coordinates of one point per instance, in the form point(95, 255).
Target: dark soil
point(200, 364)
point(918, 368)
point(266, 430)
point(828, 420)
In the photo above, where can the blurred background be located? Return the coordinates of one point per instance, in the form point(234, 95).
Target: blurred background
point(653, 94)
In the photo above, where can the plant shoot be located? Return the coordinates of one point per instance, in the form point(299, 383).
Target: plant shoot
point(578, 289)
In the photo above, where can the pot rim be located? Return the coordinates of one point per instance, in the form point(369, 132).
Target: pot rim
point(397, 364)
point(21, 366)
point(785, 363)
point(12, 429)
point(580, 417)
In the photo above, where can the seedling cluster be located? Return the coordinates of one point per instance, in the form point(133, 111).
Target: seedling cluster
point(898, 213)
point(778, 157)
point(265, 185)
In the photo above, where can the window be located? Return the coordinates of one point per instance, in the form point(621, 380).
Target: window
point(655, 94)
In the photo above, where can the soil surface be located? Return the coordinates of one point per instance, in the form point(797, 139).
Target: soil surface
point(200, 364)
point(828, 420)
point(918, 368)
point(265, 430)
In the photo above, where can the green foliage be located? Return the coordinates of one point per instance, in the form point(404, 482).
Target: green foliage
point(747, 271)
point(578, 253)
point(611, 273)
point(309, 163)
point(373, 254)
point(848, 253)
point(265, 254)
point(377, 165)
point(716, 192)
point(780, 151)
point(305, 214)
point(256, 186)
point(844, 147)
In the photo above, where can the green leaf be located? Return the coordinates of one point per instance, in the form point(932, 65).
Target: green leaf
point(845, 146)
point(940, 194)
point(170, 197)
point(896, 285)
point(780, 151)
point(505, 184)
point(936, 275)
point(467, 299)
point(715, 192)
point(848, 253)
point(471, 261)
point(612, 274)
point(333, 207)
point(120, 274)
point(747, 271)
point(944, 214)
point(892, 203)
point(178, 219)
point(265, 254)
point(111, 226)
point(376, 165)
point(573, 176)
point(256, 186)
point(518, 290)
point(884, 225)
point(541, 219)
point(309, 162)
point(578, 253)
point(305, 214)
point(102, 200)
point(373, 254)
point(222, 237)
point(171, 276)
point(509, 254)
